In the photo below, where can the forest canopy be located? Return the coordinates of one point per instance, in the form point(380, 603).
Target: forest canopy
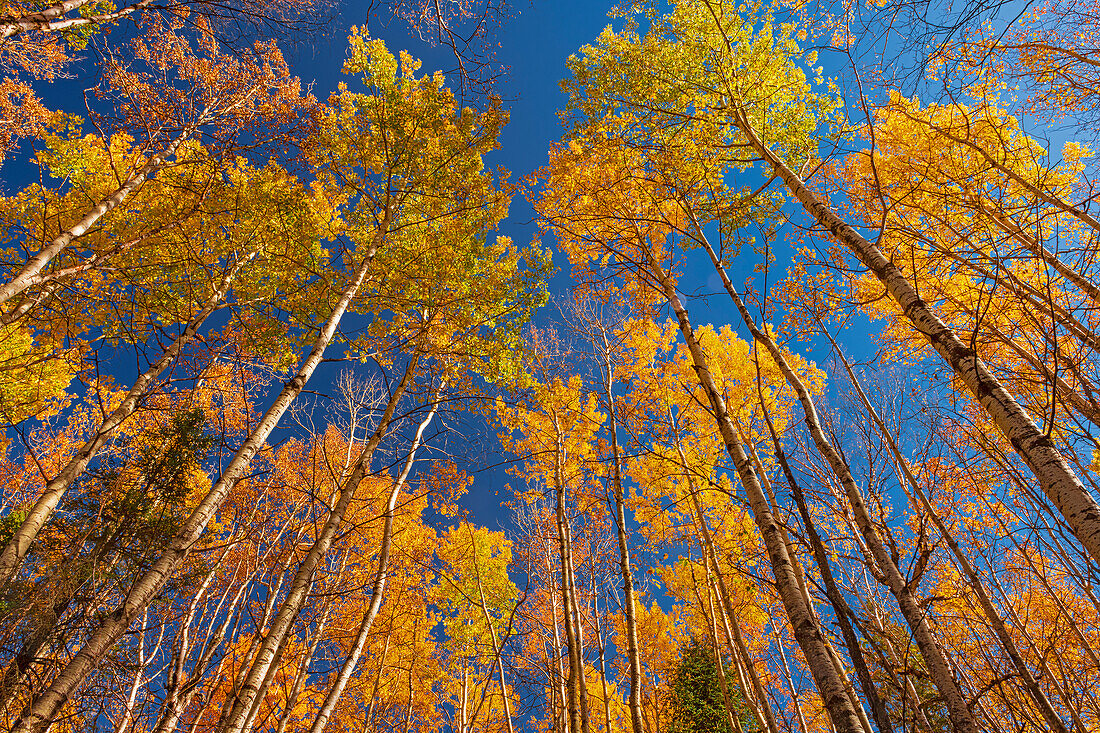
point(771, 411)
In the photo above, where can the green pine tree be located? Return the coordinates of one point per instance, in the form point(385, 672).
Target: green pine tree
point(695, 700)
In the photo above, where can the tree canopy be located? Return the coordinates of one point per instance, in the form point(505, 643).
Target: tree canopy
point(785, 405)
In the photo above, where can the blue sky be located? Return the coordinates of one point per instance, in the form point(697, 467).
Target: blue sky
point(534, 44)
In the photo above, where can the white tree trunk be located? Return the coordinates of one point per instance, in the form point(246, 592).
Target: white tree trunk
point(41, 710)
point(1058, 481)
point(17, 547)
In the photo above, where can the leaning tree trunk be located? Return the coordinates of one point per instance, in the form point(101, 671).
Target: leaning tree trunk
point(267, 657)
point(17, 547)
point(963, 563)
point(938, 667)
point(30, 272)
point(1059, 482)
point(347, 669)
point(40, 712)
point(806, 631)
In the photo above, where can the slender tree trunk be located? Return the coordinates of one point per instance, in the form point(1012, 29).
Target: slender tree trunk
point(803, 585)
point(347, 669)
point(629, 610)
point(42, 709)
point(737, 645)
point(962, 562)
point(807, 633)
point(369, 718)
point(267, 658)
point(127, 721)
point(560, 680)
point(938, 667)
point(1058, 481)
point(317, 635)
point(496, 650)
point(29, 275)
point(17, 547)
point(712, 626)
point(603, 664)
point(576, 683)
point(790, 680)
point(180, 692)
point(832, 592)
point(578, 631)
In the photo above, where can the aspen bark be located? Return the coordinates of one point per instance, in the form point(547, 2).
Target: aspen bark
point(577, 720)
point(803, 586)
point(560, 678)
point(11, 557)
point(50, 20)
point(496, 651)
point(712, 627)
point(1059, 482)
point(29, 273)
point(318, 634)
point(1050, 716)
point(347, 669)
point(938, 666)
point(267, 657)
point(765, 714)
point(179, 692)
point(807, 633)
point(629, 610)
point(790, 680)
point(41, 710)
point(603, 661)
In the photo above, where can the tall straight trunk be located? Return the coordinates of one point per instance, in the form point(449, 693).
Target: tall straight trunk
point(1057, 479)
point(560, 682)
point(712, 626)
point(737, 645)
point(462, 725)
point(496, 651)
point(1044, 667)
point(40, 712)
point(347, 669)
point(741, 652)
point(790, 679)
point(368, 720)
point(578, 719)
point(603, 660)
point(938, 666)
point(578, 633)
point(303, 670)
point(629, 610)
point(800, 576)
point(180, 692)
point(806, 631)
point(832, 592)
point(1087, 648)
point(975, 583)
point(267, 657)
point(16, 548)
point(139, 675)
